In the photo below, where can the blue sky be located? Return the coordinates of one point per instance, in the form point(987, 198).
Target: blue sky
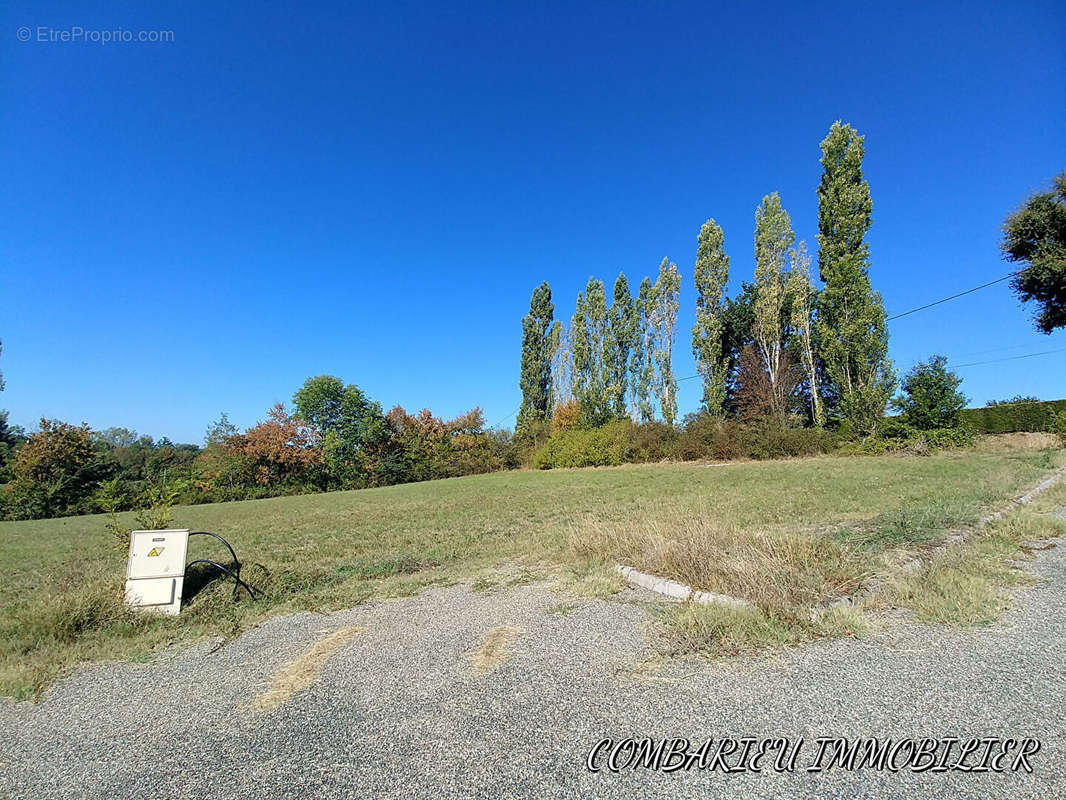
point(373, 190)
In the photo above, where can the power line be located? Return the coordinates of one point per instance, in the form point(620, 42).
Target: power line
point(946, 299)
point(960, 366)
point(994, 350)
point(504, 419)
point(1009, 358)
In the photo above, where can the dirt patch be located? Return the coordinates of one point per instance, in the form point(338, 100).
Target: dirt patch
point(495, 649)
point(297, 675)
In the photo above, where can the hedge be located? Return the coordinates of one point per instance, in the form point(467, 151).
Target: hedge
point(1013, 417)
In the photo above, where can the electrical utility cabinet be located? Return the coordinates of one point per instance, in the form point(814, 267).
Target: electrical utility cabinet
point(156, 571)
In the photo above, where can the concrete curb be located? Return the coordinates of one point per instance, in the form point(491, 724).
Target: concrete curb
point(1024, 500)
point(678, 591)
point(682, 593)
point(915, 564)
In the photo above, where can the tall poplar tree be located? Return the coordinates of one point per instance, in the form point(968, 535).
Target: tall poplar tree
point(663, 319)
point(803, 295)
point(535, 378)
point(623, 327)
point(851, 324)
point(589, 330)
point(711, 275)
point(641, 368)
point(773, 238)
point(561, 365)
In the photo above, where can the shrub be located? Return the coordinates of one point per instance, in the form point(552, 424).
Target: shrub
point(707, 437)
point(894, 428)
point(931, 397)
point(712, 438)
point(697, 436)
point(1059, 426)
point(897, 437)
point(566, 416)
point(948, 438)
point(775, 438)
point(529, 438)
point(1014, 416)
point(158, 510)
point(55, 472)
point(609, 445)
point(654, 441)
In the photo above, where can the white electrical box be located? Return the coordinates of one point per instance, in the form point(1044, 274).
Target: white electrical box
point(156, 571)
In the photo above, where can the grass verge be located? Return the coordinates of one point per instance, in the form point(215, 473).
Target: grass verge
point(780, 533)
point(968, 583)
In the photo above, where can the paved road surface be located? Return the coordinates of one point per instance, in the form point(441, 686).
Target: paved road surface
point(401, 711)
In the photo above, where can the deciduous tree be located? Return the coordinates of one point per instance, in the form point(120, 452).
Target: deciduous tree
point(352, 429)
point(536, 377)
point(803, 296)
point(756, 392)
point(55, 471)
point(663, 321)
point(641, 367)
point(851, 323)
point(561, 365)
point(1035, 235)
point(711, 275)
point(773, 238)
point(280, 451)
point(623, 327)
point(931, 396)
point(588, 334)
point(430, 447)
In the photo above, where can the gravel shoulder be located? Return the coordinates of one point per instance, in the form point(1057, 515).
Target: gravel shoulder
point(404, 708)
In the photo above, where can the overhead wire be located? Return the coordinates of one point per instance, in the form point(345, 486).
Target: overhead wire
point(952, 297)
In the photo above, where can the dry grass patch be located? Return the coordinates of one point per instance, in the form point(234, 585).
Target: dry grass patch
point(1014, 442)
point(717, 630)
point(596, 580)
point(495, 649)
point(303, 671)
point(967, 583)
point(782, 572)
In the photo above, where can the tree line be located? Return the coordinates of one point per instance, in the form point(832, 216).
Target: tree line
point(783, 348)
point(335, 437)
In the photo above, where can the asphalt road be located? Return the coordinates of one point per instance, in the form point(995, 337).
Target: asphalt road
point(402, 711)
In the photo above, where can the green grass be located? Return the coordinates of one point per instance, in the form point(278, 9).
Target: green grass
point(967, 584)
point(61, 580)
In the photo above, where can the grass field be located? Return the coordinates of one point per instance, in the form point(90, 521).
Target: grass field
point(782, 534)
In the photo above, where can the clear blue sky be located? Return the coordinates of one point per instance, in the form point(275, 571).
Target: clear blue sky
point(374, 190)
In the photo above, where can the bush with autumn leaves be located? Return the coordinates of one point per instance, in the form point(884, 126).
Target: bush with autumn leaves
point(334, 438)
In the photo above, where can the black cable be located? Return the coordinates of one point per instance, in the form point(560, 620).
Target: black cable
point(235, 573)
point(231, 573)
point(1009, 358)
point(216, 536)
point(960, 294)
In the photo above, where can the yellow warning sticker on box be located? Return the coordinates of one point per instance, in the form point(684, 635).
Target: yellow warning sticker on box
point(156, 551)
